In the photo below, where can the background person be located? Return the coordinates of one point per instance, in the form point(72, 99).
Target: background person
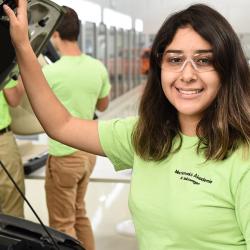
point(82, 85)
point(11, 202)
point(189, 147)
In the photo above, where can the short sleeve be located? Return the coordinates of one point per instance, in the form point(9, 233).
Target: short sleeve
point(115, 137)
point(242, 206)
point(106, 86)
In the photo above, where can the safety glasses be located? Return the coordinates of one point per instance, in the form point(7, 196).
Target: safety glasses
point(176, 62)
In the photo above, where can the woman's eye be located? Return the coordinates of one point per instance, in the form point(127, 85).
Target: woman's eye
point(204, 61)
point(175, 60)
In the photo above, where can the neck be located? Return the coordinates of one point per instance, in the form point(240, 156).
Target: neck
point(188, 124)
point(69, 48)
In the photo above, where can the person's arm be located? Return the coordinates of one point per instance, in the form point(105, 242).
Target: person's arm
point(103, 100)
point(55, 119)
point(242, 206)
point(102, 103)
point(14, 95)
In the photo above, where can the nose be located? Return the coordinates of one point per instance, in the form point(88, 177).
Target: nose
point(188, 73)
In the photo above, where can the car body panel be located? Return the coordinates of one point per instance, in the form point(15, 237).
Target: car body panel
point(43, 15)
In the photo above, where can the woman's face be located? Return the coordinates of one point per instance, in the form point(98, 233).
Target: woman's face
point(189, 85)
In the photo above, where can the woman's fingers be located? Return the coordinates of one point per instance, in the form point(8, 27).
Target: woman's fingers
point(18, 22)
point(10, 13)
point(22, 10)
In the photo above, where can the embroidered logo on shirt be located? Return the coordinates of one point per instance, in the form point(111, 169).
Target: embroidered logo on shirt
point(192, 177)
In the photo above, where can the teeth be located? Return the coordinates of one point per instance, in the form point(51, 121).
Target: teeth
point(190, 92)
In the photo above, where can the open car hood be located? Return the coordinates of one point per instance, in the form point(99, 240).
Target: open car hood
point(43, 15)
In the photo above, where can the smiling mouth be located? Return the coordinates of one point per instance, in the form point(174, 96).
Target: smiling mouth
point(189, 91)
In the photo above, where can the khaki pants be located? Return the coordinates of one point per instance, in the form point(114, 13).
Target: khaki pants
point(11, 202)
point(66, 184)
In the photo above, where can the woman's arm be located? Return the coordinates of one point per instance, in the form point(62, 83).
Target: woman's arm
point(14, 95)
point(55, 119)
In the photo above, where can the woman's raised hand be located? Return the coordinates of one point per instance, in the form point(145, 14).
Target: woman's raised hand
point(18, 24)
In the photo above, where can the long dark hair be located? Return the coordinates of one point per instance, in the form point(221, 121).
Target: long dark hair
point(226, 123)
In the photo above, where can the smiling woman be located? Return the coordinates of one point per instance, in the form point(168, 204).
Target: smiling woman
point(189, 147)
point(196, 99)
point(190, 84)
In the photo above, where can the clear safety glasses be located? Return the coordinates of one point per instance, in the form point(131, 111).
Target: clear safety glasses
point(176, 62)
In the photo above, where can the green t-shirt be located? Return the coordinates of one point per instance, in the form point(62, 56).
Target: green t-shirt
point(78, 82)
point(5, 120)
point(183, 202)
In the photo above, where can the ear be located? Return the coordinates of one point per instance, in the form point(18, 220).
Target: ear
point(55, 34)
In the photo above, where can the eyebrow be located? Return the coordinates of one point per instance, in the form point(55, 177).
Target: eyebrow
point(200, 51)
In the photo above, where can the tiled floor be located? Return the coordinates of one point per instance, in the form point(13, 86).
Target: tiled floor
point(107, 203)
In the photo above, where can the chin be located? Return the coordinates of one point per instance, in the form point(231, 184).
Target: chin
point(190, 112)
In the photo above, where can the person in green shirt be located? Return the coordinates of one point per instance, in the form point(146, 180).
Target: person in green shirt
point(11, 202)
point(81, 83)
point(189, 146)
